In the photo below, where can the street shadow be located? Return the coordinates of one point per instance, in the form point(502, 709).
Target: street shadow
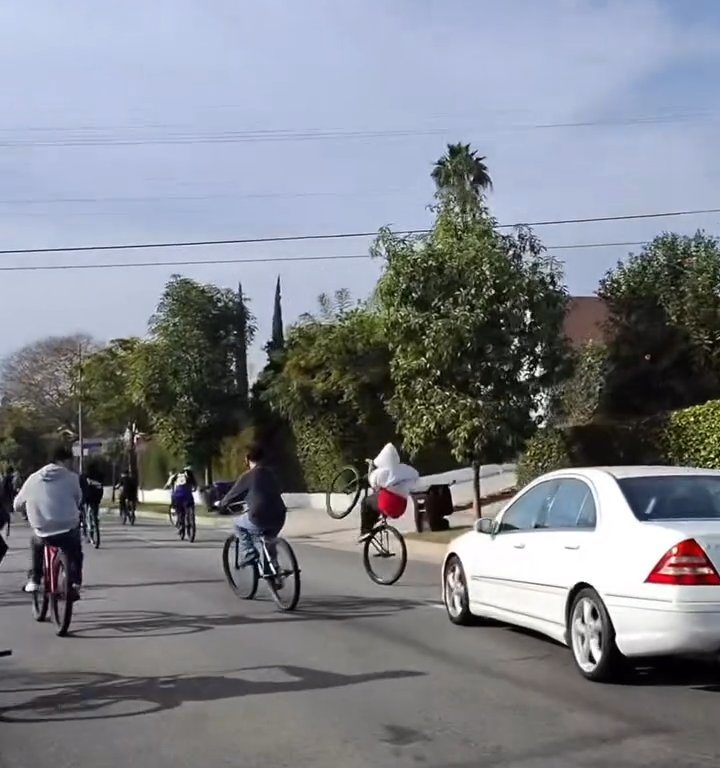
point(701, 674)
point(144, 623)
point(68, 697)
point(138, 584)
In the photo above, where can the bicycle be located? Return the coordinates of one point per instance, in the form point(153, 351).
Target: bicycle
point(55, 591)
point(379, 542)
point(90, 524)
point(347, 482)
point(186, 522)
point(244, 579)
point(127, 511)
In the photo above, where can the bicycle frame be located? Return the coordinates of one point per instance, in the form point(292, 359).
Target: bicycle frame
point(50, 555)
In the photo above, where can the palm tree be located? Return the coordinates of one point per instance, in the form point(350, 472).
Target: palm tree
point(461, 173)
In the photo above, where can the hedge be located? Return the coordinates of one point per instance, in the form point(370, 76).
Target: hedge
point(689, 437)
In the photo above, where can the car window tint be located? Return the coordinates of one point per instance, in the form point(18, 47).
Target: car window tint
point(524, 514)
point(572, 506)
point(673, 497)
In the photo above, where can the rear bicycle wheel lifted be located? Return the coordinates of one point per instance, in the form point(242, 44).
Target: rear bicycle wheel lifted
point(385, 545)
point(345, 482)
point(243, 580)
point(285, 585)
point(61, 602)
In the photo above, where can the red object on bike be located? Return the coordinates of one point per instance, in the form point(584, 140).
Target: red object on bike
point(391, 504)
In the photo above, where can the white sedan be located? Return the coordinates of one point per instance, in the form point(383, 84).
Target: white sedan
point(615, 562)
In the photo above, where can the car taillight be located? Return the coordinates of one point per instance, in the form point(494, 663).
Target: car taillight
point(686, 564)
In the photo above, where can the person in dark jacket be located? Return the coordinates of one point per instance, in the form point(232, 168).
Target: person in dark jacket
point(260, 490)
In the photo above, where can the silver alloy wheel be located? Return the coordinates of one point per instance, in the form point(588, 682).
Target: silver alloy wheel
point(455, 590)
point(587, 635)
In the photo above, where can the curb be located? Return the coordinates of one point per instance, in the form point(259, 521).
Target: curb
point(423, 551)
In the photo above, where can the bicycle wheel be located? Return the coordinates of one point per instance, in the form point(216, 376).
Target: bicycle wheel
point(345, 483)
point(385, 546)
point(243, 580)
point(191, 524)
point(60, 600)
point(285, 585)
point(40, 604)
point(94, 528)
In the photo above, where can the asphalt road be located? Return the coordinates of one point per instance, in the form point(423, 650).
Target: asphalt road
point(165, 667)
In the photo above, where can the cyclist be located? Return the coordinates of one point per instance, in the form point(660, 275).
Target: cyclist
point(52, 498)
point(181, 498)
point(266, 511)
point(92, 490)
point(6, 503)
point(128, 486)
point(391, 482)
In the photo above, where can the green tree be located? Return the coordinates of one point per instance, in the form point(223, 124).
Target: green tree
point(461, 175)
point(243, 322)
point(578, 399)
point(333, 385)
point(186, 371)
point(277, 338)
point(664, 305)
point(474, 321)
point(108, 381)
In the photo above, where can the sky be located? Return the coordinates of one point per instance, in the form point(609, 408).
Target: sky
point(128, 121)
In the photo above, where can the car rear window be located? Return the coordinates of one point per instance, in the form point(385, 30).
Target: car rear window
point(673, 497)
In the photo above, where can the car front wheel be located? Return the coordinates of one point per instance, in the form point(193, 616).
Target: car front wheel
point(455, 592)
point(592, 638)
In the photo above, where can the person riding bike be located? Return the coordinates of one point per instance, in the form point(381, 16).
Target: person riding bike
point(181, 497)
point(391, 482)
point(266, 510)
point(52, 498)
point(128, 486)
point(92, 490)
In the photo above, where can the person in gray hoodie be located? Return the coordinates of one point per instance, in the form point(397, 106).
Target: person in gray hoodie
point(51, 498)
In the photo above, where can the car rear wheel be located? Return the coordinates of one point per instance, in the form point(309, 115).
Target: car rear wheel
point(455, 592)
point(592, 638)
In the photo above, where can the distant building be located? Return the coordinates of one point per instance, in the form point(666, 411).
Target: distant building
point(585, 320)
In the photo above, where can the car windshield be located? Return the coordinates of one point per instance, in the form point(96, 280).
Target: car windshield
point(673, 497)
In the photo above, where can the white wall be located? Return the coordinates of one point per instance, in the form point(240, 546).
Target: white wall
point(493, 479)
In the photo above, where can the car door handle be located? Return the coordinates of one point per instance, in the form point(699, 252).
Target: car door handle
point(572, 546)
point(519, 546)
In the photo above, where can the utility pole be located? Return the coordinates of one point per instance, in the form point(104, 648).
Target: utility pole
point(81, 462)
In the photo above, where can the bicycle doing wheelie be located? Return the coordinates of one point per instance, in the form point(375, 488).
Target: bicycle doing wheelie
point(384, 549)
point(276, 564)
point(56, 591)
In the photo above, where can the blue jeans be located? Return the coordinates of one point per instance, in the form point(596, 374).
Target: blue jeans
point(247, 531)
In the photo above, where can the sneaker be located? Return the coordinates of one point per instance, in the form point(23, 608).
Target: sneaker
point(31, 586)
point(74, 593)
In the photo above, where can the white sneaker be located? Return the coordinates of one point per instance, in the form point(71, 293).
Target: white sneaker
point(31, 587)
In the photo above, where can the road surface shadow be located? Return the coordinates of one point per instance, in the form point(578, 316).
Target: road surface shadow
point(146, 623)
point(110, 696)
point(134, 585)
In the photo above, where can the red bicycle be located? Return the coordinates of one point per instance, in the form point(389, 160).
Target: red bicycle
point(55, 592)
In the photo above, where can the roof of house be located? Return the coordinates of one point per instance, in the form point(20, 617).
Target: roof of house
point(585, 319)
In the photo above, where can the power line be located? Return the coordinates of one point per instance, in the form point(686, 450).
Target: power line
point(266, 259)
point(336, 235)
point(275, 135)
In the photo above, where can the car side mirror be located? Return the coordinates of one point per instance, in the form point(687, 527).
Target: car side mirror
point(486, 525)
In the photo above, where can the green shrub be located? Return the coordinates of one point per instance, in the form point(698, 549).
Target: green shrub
point(693, 436)
point(689, 437)
point(544, 452)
